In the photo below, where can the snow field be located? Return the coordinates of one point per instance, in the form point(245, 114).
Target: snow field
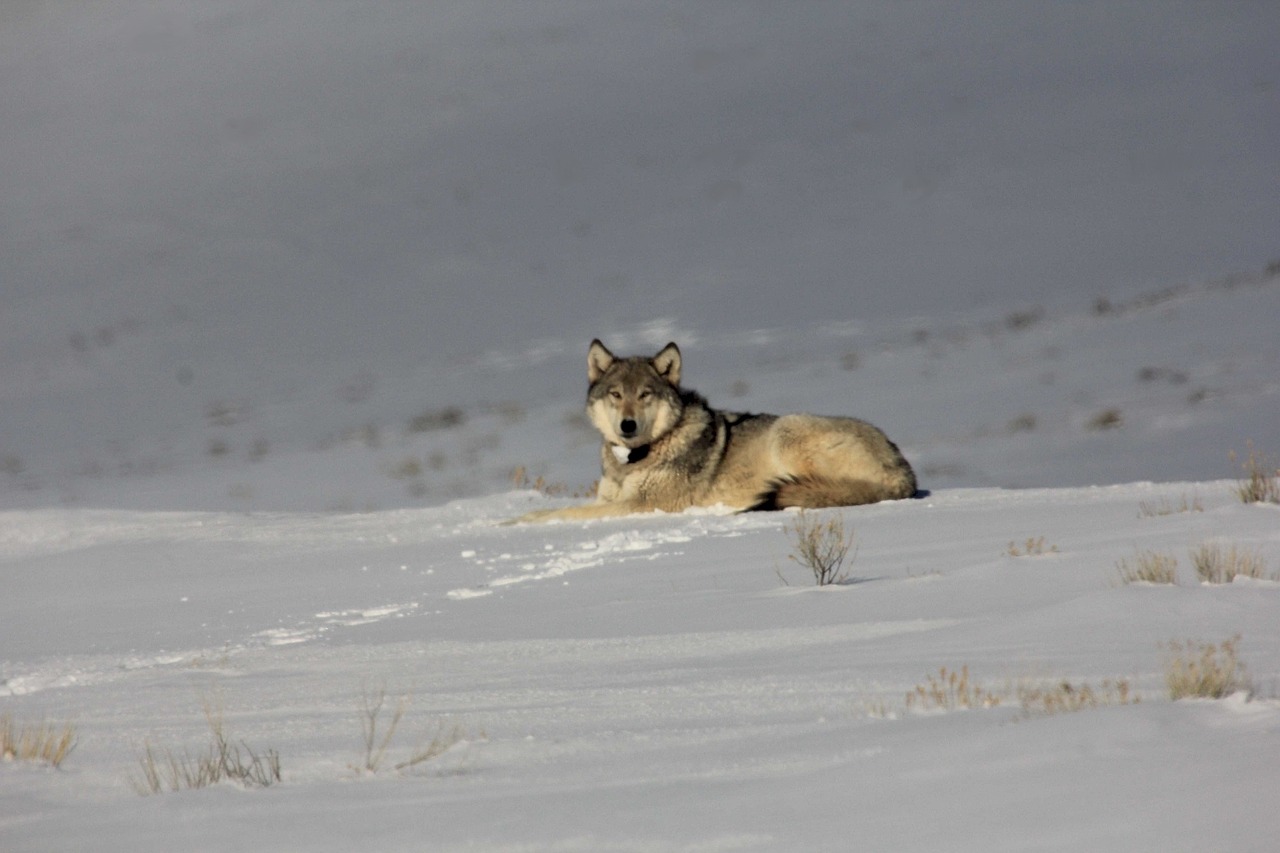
point(649, 683)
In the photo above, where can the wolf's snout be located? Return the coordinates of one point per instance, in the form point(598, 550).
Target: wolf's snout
point(627, 427)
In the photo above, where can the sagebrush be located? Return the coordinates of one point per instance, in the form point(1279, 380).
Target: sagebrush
point(821, 545)
point(1216, 563)
point(1261, 482)
point(1148, 567)
point(1206, 670)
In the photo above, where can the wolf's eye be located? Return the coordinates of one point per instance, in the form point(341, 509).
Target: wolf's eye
point(617, 395)
point(646, 394)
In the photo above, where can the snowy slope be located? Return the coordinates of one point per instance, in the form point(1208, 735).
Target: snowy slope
point(1163, 385)
point(642, 684)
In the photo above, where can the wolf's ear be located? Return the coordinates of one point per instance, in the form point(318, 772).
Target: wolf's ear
point(599, 359)
point(667, 363)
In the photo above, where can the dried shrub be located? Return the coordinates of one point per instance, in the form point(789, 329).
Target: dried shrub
point(1034, 546)
point(1148, 567)
point(520, 480)
point(1149, 509)
point(949, 691)
point(44, 742)
point(221, 760)
point(822, 546)
point(1222, 564)
point(1206, 670)
point(378, 735)
point(1261, 482)
point(1065, 697)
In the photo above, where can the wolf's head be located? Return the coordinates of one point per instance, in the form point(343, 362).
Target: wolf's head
point(633, 400)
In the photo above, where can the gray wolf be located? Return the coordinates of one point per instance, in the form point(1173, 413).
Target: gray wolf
point(666, 449)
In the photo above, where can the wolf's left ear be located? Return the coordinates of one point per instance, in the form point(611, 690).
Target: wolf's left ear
point(667, 363)
point(599, 360)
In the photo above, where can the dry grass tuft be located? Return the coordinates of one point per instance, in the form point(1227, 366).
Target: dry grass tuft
point(1205, 671)
point(1261, 483)
point(1222, 564)
point(1149, 567)
point(1034, 546)
point(950, 691)
point(42, 741)
point(1065, 697)
point(1147, 509)
point(222, 760)
point(376, 742)
point(520, 480)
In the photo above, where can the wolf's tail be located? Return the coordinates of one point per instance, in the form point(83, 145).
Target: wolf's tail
point(818, 492)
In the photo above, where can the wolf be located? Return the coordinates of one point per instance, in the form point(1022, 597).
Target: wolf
point(666, 449)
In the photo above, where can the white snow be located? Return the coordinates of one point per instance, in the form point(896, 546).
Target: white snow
point(288, 295)
point(646, 683)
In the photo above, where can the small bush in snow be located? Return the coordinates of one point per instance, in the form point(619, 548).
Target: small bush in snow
point(1222, 564)
point(36, 742)
point(822, 546)
point(1148, 509)
point(1261, 483)
point(1149, 567)
point(378, 735)
point(1205, 671)
point(222, 760)
point(950, 691)
point(520, 480)
point(1034, 546)
point(1065, 697)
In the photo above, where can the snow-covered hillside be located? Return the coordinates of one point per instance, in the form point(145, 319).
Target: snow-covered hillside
point(644, 684)
point(1162, 386)
point(294, 307)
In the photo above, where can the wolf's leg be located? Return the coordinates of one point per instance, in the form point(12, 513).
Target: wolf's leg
point(582, 512)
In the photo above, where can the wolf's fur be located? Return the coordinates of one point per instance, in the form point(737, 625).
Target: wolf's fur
point(666, 449)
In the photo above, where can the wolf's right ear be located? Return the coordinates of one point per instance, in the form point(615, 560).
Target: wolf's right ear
point(599, 359)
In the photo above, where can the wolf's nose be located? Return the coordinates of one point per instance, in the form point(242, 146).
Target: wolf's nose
point(627, 427)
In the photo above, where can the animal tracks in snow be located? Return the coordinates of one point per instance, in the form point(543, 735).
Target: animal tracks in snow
point(508, 569)
point(79, 671)
point(619, 547)
point(331, 619)
point(487, 561)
